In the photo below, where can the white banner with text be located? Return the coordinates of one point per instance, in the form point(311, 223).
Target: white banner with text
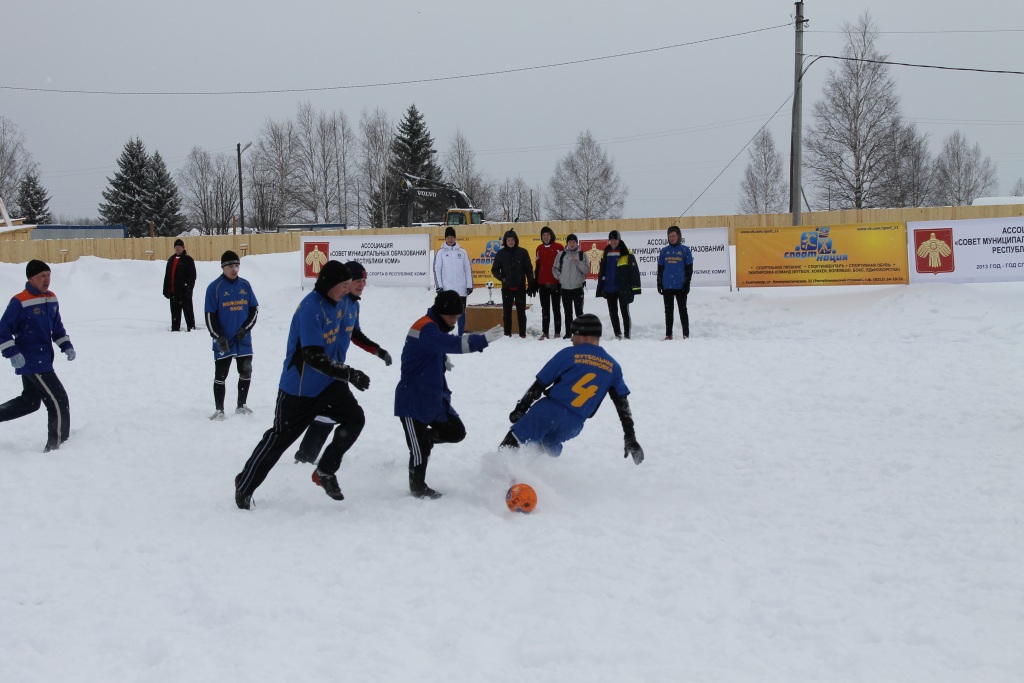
point(389, 260)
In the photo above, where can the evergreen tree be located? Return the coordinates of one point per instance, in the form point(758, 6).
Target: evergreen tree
point(164, 202)
point(127, 198)
point(412, 151)
point(33, 201)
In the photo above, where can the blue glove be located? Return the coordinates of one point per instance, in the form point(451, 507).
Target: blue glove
point(70, 353)
point(18, 361)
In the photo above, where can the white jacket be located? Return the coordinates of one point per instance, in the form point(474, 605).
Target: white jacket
point(452, 269)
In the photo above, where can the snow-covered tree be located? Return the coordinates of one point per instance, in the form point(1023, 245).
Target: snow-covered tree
point(127, 198)
point(412, 151)
point(33, 201)
point(962, 174)
point(164, 207)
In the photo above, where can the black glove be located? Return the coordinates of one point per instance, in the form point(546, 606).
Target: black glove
point(633, 449)
point(223, 345)
point(517, 414)
point(661, 290)
point(384, 356)
point(686, 287)
point(360, 380)
point(241, 334)
point(531, 290)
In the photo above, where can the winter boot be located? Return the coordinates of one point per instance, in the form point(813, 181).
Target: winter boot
point(243, 409)
point(329, 483)
point(417, 484)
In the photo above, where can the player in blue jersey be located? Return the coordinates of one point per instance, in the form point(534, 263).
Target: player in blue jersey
point(573, 385)
point(320, 429)
point(675, 271)
point(230, 312)
point(313, 382)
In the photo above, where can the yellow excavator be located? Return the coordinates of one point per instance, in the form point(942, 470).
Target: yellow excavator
point(459, 209)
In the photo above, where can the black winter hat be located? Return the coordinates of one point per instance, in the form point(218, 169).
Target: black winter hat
point(448, 302)
point(333, 273)
point(449, 231)
point(179, 243)
point(587, 325)
point(34, 267)
point(614, 235)
point(229, 258)
point(356, 270)
point(572, 237)
point(546, 229)
point(674, 229)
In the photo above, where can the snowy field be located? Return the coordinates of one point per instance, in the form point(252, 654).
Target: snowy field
point(833, 492)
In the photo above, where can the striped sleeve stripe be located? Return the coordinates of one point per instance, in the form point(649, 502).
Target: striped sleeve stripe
point(465, 343)
point(6, 345)
point(63, 339)
point(38, 301)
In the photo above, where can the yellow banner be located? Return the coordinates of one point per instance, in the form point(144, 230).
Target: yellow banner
point(859, 254)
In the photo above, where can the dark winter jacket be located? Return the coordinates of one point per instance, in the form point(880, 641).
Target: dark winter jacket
point(422, 392)
point(184, 280)
point(31, 325)
point(512, 265)
point(625, 282)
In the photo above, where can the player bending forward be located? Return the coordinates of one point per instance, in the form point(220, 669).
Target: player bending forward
point(573, 383)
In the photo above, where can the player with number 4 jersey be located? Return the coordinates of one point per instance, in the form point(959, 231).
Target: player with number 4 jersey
point(573, 385)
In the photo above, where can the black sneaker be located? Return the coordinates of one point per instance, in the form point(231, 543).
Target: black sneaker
point(329, 483)
point(510, 441)
point(425, 492)
point(51, 447)
point(243, 502)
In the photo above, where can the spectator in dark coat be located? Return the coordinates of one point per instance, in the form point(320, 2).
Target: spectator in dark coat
point(179, 281)
point(618, 281)
point(513, 267)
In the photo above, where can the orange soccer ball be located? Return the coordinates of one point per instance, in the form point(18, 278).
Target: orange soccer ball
point(521, 498)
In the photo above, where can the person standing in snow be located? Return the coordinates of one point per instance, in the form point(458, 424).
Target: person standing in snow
point(179, 281)
point(675, 270)
point(618, 281)
point(573, 384)
point(318, 431)
point(513, 269)
point(453, 271)
point(29, 328)
point(571, 267)
point(313, 382)
point(547, 282)
point(423, 401)
point(231, 310)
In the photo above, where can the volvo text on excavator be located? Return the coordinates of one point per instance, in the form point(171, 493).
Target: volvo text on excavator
point(458, 207)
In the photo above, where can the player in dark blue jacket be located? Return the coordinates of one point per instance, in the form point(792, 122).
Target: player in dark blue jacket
point(573, 385)
point(313, 382)
point(423, 401)
point(320, 429)
point(675, 270)
point(231, 310)
point(29, 328)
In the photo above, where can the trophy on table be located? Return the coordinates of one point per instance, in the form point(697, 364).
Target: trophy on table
point(490, 293)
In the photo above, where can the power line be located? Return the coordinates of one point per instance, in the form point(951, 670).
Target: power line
point(393, 83)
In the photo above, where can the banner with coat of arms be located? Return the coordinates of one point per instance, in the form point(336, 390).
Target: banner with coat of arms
point(389, 260)
point(974, 250)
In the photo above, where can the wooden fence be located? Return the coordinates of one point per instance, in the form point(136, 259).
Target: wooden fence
point(17, 247)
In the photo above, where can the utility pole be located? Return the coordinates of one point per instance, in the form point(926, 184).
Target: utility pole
point(796, 137)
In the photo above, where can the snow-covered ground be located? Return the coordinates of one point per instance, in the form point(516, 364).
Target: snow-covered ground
point(833, 491)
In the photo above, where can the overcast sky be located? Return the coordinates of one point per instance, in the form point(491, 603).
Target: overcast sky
point(671, 119)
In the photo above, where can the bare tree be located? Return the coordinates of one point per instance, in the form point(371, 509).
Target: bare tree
point(909, 180)
point(585, 184)
point(315, 164)
point(962, 174)
point(15, 160)
point(345, 174)
point(514, 200)
point(209, 190)
point(849, 146)
point(461, 171)
point(764, 188)
point(272, 193)
point(1018, 188)
point(376, 134)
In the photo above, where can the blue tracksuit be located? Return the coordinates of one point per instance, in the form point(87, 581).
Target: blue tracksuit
point(31, 325)
point(317, 321)
point(578, 378)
